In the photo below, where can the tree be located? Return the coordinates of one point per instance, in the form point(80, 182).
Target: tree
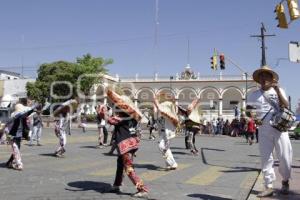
point(88, 69)
point(57, 74)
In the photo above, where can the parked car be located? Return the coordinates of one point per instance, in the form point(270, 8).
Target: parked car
point(297, 132)
point(294, 132)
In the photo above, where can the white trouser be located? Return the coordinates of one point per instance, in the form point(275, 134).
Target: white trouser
point(30, 130)
point(268, 139)
point(164, 147)
point(62, 141)
point(16, 154)
point(36, 133)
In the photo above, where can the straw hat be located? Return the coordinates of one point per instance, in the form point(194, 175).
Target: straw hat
point(65, 107)
point(168, 110)
point(125, 104)
point(267, 69)
point(18, 109)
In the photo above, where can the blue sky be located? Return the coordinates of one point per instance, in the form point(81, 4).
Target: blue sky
point(45, 31)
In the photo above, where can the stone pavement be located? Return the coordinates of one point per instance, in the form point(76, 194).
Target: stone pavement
point(294, 182)
point(226, 168)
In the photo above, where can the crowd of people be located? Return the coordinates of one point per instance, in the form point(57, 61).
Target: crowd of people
point(171, 119)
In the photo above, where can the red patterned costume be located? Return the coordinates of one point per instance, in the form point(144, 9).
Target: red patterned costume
point(127, 144)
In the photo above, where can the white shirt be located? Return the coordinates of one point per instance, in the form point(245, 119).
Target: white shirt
point(262, 105)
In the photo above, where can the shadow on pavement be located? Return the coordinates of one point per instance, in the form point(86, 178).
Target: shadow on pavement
point(207, 197)
point(254, 156)
point(48, 154)
point(203, 156)
point(3, 165)
point(180, 153)
point(278, 196)
point(177, 148)
point(240, 169)
point(100, 187)
point(89, 147)
point(109, 154)
point(89, 185)
point(149, 166)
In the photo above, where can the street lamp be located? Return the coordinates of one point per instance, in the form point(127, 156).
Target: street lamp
point(171, 78)
point(246, 76)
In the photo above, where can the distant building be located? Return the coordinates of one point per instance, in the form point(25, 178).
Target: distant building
point(12, 87)
point(219, 94)
point(7, 75)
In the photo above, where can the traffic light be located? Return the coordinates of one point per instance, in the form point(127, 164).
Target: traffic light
point(282, 23)
point(222, 61)
point(293, 9)
point(213, 62)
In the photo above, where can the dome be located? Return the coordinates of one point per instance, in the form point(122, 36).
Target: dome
point(187, 73)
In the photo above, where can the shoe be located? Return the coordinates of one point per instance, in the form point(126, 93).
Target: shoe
point(114, 189)
point(17, 167)
point(195, 153)
point(285, 187)
point(266, 193)
point(141, 194)
point(172, 167)
point(39, 144)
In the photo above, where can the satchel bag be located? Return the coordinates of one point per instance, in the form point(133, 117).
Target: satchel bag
point(283, 118)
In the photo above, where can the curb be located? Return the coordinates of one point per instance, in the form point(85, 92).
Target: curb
point(258, 186)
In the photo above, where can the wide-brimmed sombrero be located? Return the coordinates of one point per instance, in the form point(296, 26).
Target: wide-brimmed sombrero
point(20, 109)
point(66, 106)
point(194, 111)
point(267, 69)
point(125, 104)
point(168, 110)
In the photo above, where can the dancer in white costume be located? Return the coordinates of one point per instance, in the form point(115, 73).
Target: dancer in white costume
point(18, 130)
point(267, 100)
point(167, 123)
point(62, 123)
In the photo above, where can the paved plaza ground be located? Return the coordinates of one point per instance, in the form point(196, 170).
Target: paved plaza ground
point(226, 168)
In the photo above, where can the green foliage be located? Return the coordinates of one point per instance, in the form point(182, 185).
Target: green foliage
point(88, 70)
point(91, 118)
point(70, 72)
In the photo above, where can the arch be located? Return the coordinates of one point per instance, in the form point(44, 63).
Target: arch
point(143, 89)
point(186, 95)
point(166, 88)
point(128, 91)
point(186, 88)
point(100, 91)
point(208, 88)
point(232, 97)
point(232, 87)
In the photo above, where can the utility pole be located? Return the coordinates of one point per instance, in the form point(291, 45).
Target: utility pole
point(263, 47)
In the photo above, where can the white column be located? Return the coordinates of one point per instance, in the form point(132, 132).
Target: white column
point(94, 98)
point(105, 100)
point(220, 107)
point(244, 105)
point(136, 102)
point(176, 102)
